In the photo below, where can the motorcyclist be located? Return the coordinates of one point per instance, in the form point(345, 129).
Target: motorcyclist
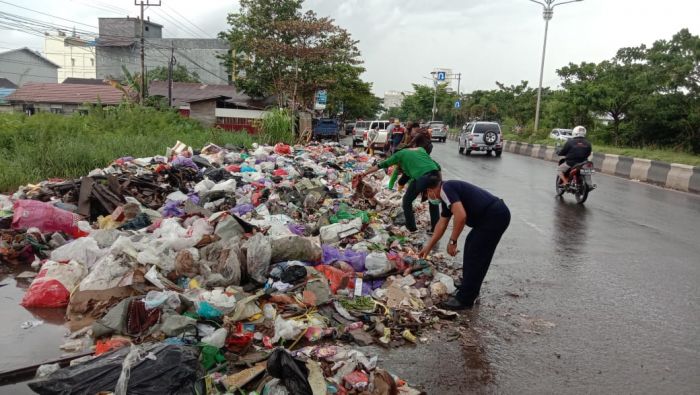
point(576, 150)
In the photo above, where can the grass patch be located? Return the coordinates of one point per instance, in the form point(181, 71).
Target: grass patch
point(47, 145)
point(663, 155)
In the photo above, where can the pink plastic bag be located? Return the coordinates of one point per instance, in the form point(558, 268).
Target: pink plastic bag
point(45, 217)
point(53, 284)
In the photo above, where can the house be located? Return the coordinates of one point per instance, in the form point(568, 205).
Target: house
point(85, 81)
point(75, 55)
point(221, 106)
point(6, 89)
point(62, 98)
point(119, 41)
point(24, 65)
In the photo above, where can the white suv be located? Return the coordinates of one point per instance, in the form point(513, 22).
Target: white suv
point(481, 136)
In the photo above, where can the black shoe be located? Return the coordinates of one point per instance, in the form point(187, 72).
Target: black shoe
point(454, 304)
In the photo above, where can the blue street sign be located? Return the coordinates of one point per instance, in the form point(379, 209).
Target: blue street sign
point(441, 75)
point(458, 104)
point(321, 97)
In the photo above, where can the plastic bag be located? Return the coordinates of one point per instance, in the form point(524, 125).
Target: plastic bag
point(295, 248)
point(282, 149)
point(258, 257)
point(345, 212)
point(216, 339)
point(84, 250)
point(355, 258)
point(207, 311)
point(338, 279)
point(53, 285)
point(174, 370)
point(286, 329)
point(45, 217)
point(168, 299)
point(377, 264)
point(293, 374)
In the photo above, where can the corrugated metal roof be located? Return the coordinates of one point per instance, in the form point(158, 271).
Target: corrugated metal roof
point(66, 94)
point(187, 92)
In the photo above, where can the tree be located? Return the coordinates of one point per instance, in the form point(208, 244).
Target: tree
point(278, 50)
point(180, 74)
point(352, 98)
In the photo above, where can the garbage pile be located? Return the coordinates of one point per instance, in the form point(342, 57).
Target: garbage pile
point(225, 270)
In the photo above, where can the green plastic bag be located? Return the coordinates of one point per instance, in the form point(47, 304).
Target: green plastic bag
point(211, 356)
point(345, 212)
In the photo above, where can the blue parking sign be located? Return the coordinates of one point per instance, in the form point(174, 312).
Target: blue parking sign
point(458, 104)
point(441, 75)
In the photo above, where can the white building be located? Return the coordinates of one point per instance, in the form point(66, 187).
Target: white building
point(393, 99)
point(75, 55)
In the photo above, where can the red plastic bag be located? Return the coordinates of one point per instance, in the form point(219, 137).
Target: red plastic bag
point(103, 346)
point(45, 217)
point(233, 168)
point(338, 279)
point(53, 284)
point(282, 149)
point(280, 173)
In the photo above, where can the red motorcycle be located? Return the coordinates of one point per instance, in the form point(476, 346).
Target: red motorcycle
point(580, 181)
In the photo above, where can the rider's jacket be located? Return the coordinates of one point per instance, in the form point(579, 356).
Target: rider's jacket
point(576, 150)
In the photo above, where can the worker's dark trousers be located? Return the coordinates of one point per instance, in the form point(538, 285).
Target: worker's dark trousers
point(479, 248)
point(414, 189)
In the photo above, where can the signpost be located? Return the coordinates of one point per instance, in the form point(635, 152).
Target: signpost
point(321, 99)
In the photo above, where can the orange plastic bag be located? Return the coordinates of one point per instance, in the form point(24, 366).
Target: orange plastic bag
point(107, 345)
point(337, 278)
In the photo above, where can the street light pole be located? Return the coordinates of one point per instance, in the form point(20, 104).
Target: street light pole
point(547, 13)
point(434, 95)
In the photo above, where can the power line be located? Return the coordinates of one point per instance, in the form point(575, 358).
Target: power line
point(201, 67)
point(43, 13)
point(175, 23)
point(188, 21)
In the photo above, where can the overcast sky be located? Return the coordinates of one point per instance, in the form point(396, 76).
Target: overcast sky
point(402, 41)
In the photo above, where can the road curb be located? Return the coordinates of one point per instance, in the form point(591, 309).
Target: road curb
point(670, 175)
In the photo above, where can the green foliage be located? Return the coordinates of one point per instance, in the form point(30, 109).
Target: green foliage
point(47, 145)
point(284, 52)
point(180, 74)
point(277, 126)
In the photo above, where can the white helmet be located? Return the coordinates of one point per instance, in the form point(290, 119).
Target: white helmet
point(579, 131)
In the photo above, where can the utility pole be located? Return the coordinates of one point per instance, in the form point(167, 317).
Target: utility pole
point(459, 79)
point(547, 13)
point(143, 4)
point(435, 85)
point(171, 64)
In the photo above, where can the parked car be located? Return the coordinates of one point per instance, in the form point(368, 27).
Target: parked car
point(560, 134)
point(438, 130)
point(358, 132)
point(481, 136)
point(349, 126)
point(326, 128)
point(383, 141)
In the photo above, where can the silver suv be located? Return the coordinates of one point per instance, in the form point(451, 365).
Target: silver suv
point(437, 130)
point(481, 136)
point(358, 131)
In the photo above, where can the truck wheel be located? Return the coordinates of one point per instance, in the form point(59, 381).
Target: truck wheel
point(498, 154)
point(461, 150)
point(468, 152)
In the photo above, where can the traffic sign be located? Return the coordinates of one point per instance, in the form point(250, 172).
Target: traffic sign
point(441, 75)
point(458, 104)
point(321, 99)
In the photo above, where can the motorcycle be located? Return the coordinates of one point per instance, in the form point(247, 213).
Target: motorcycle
point(580, 181)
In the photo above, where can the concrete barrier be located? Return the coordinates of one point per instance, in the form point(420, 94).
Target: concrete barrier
point(670, 175)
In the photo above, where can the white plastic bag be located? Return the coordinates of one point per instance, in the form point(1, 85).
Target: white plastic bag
point(216, 339)
point(84, 250)
point(377, 264)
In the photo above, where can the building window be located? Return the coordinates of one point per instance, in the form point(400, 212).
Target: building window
point(56, 110)
point(72, 62)
point(145, 28)
point(92, 61)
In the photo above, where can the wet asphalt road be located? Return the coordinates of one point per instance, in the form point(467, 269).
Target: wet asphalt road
point(598, 298)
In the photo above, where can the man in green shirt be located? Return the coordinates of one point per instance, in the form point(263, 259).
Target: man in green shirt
point(421, 169)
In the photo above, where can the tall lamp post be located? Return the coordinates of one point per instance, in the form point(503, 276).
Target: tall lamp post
point(435, 84)
point(547, 13)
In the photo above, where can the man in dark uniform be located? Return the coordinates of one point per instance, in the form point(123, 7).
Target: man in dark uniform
point(488, 217)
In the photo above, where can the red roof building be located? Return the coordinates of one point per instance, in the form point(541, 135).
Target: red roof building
point(62, 98)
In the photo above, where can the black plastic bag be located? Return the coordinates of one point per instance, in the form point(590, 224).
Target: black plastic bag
point(293, 274)
point(292, 373)
point(174, 371)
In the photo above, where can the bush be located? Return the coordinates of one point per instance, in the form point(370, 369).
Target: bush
point(277, 125)
point(49, 145)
